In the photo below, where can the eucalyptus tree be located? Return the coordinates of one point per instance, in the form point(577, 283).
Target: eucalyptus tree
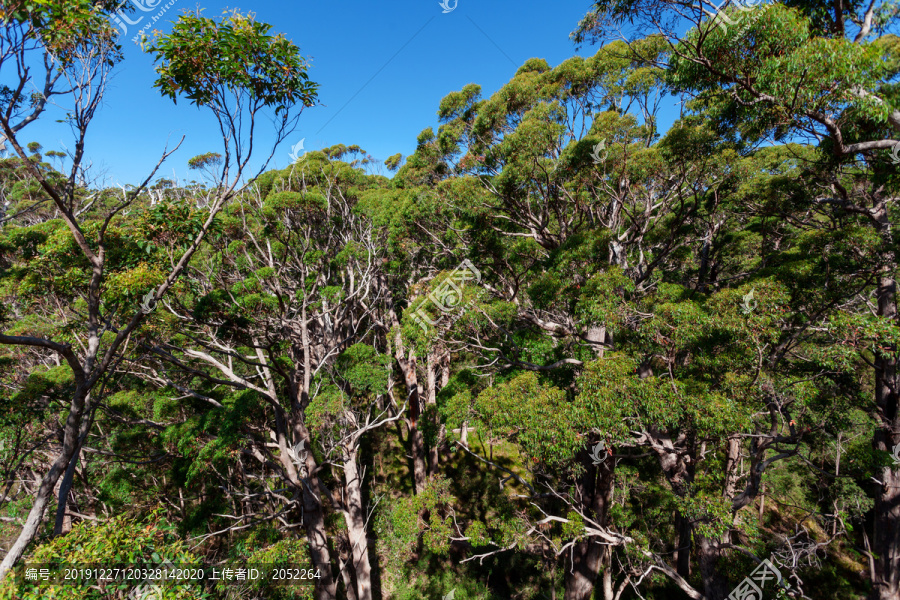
point(564, 192)
point(284, 305)
point(78, 48)
point(825, 74)
point(577, 217)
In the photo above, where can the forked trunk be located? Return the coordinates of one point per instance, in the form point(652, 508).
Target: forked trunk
point(48, 482)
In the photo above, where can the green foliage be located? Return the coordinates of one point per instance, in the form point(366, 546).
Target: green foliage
point(403, 528)
point(119, 541)
point(205, 160)
point(201, 58)
point(65, 28)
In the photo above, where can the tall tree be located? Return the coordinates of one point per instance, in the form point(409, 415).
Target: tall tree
point(84, 50)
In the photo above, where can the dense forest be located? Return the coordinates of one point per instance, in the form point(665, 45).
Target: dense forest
point(558, 353)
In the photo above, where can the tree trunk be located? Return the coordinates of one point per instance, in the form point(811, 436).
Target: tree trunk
point(887, 500)
point(595, 492)
point(431, 409)
point(63, 524)
point(436, 362)
point(683, 553)
point(586, 560)
point(413, 396)
point(314, 521)
point(715, 586)
point(608, 592)
point(313, 509)
point(356, 527)
point(417, 442)
point(48, 482)
point(347, 578)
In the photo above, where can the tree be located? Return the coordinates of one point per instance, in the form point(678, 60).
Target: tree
point(292, 293)
point(830, 80)
point(83, 41)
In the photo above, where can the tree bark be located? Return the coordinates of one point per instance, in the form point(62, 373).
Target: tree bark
point(312, 493)
point(887, 501)
point(314, 522)
point(431, 409)
point(347, 578)
point(417, 442)
point(608, 591)
point(715, 587)
point(407, 366)
point(62, 524)
point(580, 578)
point(48, 482)
point(356, 526)
point(437, 361)
point(595, 490)
point(683, 553)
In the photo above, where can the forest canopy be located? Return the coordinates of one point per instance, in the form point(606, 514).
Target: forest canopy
point(560, 353)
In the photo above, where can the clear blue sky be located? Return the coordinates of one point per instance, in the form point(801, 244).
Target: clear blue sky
point(382, 68)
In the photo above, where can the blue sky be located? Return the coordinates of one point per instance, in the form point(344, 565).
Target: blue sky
point(382, 69)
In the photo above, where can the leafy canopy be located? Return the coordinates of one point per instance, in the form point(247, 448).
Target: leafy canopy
point(203, 58)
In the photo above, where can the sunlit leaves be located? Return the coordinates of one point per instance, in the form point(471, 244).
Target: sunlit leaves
point(202, 58)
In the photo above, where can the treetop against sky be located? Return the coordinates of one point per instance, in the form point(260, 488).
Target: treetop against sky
point(383, 69)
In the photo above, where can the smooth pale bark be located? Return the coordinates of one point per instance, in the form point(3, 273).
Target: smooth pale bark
point(316, 534)
point(608, 591)
point(416, 440)
point(438, 363)
point(347, 578)
point(356, 527)
point(431, 406)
